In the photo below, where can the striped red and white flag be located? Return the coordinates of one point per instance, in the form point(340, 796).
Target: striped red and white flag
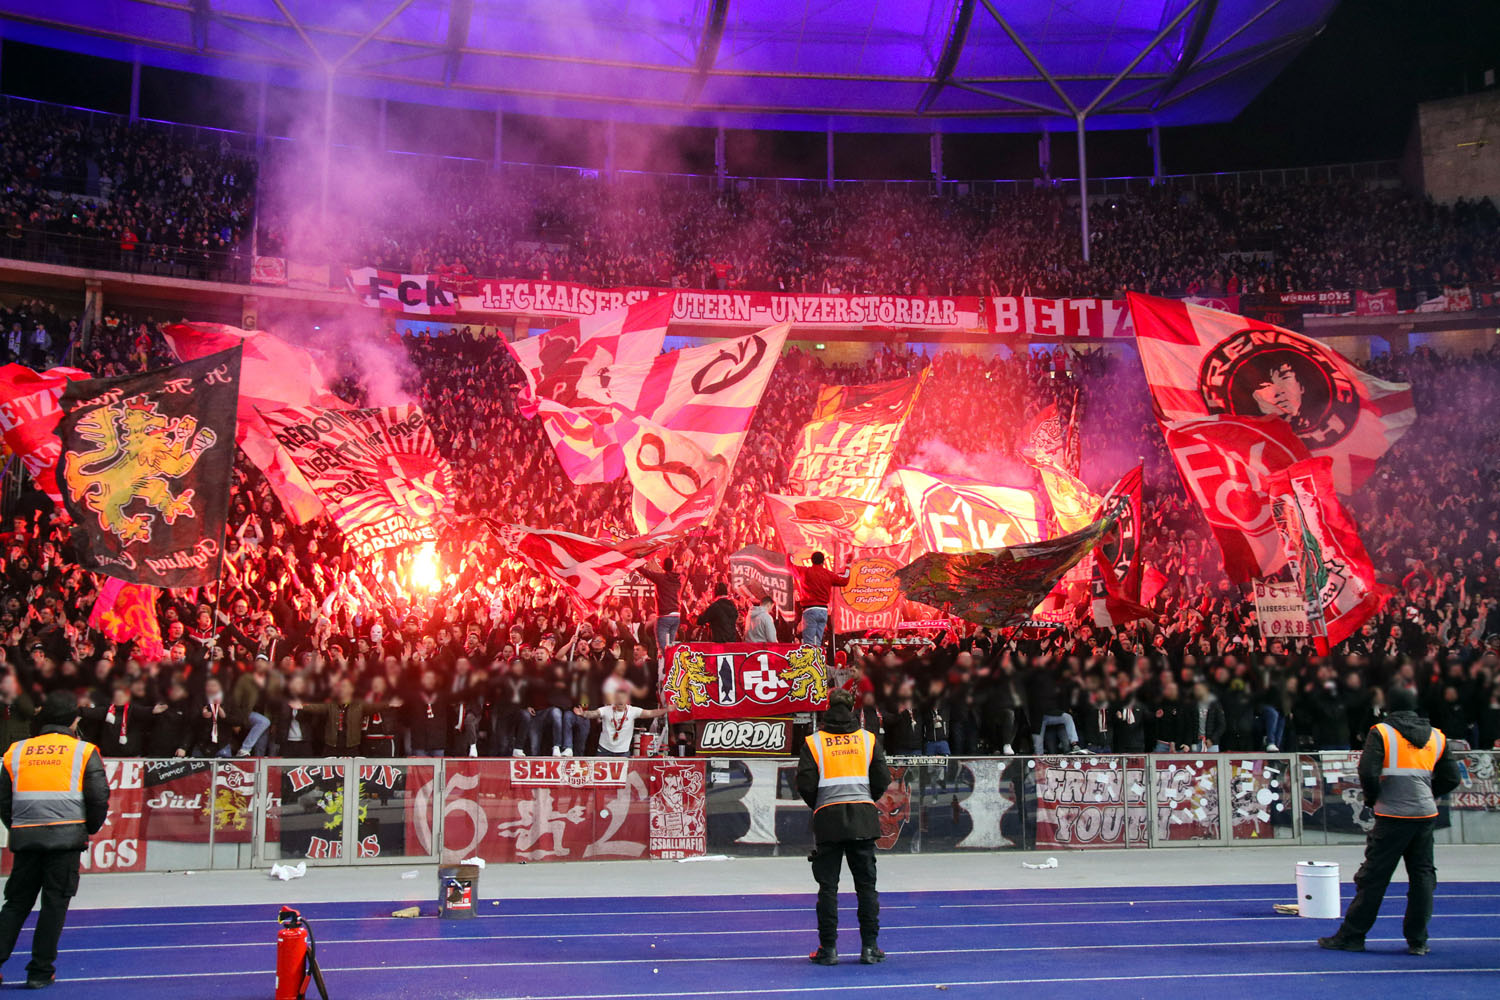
point(559, 362)
point(706, 396)
point(1202, 362)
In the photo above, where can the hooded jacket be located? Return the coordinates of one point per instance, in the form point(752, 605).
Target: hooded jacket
point(1416, 731)
point(846, 820)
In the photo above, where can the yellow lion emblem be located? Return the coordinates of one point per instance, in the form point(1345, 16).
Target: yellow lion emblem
point(138, 450)
point(807, 673)
point(230, 810)
point(687, 678)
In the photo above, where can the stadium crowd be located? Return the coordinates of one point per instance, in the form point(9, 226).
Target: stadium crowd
point(97, 190)
point(301, 650)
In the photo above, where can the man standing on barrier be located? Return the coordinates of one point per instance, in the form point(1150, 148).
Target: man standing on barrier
point(54, 795)
point(1405, 768)
point(841, 771)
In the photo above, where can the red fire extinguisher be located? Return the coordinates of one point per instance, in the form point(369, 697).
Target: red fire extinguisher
point(296, 958)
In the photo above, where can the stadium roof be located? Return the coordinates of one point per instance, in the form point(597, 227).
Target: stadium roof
point(846, 65)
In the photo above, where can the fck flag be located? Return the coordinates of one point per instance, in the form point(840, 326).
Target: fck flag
point(1322, 544)
point(274, 374)
point(29, 413)
point(956, 514)
point(1226, 463)
point(1201, 362)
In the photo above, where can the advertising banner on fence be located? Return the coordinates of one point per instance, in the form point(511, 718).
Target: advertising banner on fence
point(1090, 803)
point(565, 809)
point(743, 680)
point(179, 805)
point(311, 807)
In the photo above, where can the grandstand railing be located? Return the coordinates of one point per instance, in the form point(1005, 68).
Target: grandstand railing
point(168, 260)
point(176, 814)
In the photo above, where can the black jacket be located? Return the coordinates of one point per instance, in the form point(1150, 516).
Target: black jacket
point(70, 837)
point(1415, 730)
point(722, 619)
point(843, 820)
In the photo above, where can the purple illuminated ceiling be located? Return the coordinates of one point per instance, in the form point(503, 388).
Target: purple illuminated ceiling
point(848, 65)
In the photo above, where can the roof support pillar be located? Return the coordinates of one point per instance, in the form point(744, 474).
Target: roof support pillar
point(326, 166)
point(610, 142)
point(1083, 188)
point(1155, 140)
point(382, 128)
point(1044, 155)
point(497, 153)
point(935, 159)
point(721, 159)
point(135, 88)
point(829, 156)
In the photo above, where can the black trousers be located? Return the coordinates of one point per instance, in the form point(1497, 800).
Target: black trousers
point(827, 862)
point(54, 874)
point(1394, 840)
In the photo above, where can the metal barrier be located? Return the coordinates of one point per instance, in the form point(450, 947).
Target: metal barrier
point(181, 814)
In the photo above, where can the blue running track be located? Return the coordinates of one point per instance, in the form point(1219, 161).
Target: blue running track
point(1216, 942)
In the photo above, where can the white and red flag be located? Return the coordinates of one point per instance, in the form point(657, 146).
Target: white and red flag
point(559, 361)
point(1225, 463)
point(589, 567)
point(28, 416)
point(706, 396)
point(1322, 544)
point(273, 374)
point(1201, 362)
point(956, 514)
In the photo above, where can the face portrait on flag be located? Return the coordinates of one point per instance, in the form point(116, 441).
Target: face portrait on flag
point(1259, 373)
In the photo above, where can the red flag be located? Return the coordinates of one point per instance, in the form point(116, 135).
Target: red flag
point(29, 414)
point(1224, 463)
point(126, 611)
point(1323, 543)
point(273, 375)
point(957, 514)
point(847, 452)
point(1201, 362)
point(1115, 581)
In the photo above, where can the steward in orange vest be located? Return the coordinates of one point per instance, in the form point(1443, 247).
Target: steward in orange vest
point(53, 796)
point(1405, 768)
point(841, 771)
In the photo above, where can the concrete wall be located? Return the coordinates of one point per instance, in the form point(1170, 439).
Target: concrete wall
point(1460, 140)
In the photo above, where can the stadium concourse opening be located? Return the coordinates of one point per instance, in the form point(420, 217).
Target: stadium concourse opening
point(508, 500)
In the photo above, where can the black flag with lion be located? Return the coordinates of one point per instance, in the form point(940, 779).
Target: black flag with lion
point(145, 466)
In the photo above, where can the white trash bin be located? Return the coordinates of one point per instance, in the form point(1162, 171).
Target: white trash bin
point(1318, 890)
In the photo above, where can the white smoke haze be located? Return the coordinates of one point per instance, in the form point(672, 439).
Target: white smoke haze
point(993, 467)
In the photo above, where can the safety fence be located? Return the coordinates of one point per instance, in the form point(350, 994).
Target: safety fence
point(241, 813)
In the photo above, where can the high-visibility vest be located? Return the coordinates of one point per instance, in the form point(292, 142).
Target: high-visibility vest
point(843, 761)
point(46, 780)
point(1406, 776)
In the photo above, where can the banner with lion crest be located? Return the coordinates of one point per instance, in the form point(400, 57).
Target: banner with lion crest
point(743, 680)
point(144, 470)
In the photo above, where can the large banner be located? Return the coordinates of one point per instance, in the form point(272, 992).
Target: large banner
point(180, 805)
point(565, 809)
point(956, 514)
point(1203, 363)
point(742, 680)
point(378, 471)
point(144, 470)
point(873, 600)
point(310, 804)
point(847, 453)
